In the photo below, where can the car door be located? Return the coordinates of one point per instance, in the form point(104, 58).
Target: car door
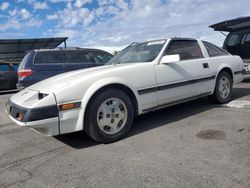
point(188, 78)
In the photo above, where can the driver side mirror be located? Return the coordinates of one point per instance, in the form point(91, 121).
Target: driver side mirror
point(170, 58)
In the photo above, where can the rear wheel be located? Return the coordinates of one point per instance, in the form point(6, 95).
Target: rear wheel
point(109, 116)
point(223, 88)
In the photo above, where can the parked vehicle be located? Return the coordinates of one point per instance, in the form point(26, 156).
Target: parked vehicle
point(8, 76)
point(143, 77)
point(40, 64)
point(237, 42)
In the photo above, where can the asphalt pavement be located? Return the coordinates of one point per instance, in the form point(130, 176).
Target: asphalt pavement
point(196, 144)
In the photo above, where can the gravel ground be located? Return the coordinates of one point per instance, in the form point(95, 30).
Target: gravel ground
point(196, 144)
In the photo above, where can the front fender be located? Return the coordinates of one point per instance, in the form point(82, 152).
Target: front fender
point(103, 83)
point(73, 120)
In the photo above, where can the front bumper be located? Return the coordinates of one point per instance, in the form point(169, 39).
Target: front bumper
point(44, 119)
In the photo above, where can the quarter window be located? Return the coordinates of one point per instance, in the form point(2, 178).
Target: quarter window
point(185, 48)
point(214, 50)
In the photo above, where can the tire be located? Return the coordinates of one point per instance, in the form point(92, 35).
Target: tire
point(109, 116)
point(223, 88)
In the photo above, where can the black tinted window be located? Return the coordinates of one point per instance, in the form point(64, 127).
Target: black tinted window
point(101, 58)
point(56, 57)
point(247, 38)
point(234, 40)
point(186, 49)
point(53, 57)
point(78, 57)
point(4, 67)
point(214, 50)
point(15, 67)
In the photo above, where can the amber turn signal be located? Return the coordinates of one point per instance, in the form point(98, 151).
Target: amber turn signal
point(68, 106)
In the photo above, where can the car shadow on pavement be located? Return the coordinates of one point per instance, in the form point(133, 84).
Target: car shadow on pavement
point(168, 115)
point(240, 92)
point(77, 140)
point(172, 114)
point(247, 79)
point(152, 120)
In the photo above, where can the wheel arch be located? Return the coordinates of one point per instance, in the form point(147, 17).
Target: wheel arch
point(95, 90)
point(222, 68)
point(121, 87)
point(228, 70)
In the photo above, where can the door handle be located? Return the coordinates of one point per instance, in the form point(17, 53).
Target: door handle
point(205, 65)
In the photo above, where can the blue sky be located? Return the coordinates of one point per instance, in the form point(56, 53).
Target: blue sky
point(113, 24)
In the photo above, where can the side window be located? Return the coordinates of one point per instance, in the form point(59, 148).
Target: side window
point(4, 67)
point(247, 38)
point(50, 57)
point(214, 50)
point(185, 48)
point(78, 57)
point(233, 40)
point(101, 58)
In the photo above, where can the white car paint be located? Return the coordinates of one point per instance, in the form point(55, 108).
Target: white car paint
point(140, 78)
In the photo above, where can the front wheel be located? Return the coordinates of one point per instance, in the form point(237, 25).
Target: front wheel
point(223, 88)
point(109, 116)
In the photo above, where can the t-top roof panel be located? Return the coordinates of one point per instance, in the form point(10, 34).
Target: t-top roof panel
point(14, 49)
point(232, 25)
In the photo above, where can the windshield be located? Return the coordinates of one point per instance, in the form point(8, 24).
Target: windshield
point(139, 52)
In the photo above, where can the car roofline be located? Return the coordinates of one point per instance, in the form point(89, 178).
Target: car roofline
point(68, 49)
point(170, 38)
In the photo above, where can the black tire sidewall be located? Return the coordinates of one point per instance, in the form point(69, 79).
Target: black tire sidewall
point(95, 132)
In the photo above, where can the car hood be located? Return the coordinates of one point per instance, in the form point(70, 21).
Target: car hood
point(64, 80)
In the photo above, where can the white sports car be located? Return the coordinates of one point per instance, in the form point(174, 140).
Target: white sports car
point(143, 77)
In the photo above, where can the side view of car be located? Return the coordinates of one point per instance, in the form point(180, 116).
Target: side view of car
point(40, 64)
point(143, 77)
point(8, 76)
